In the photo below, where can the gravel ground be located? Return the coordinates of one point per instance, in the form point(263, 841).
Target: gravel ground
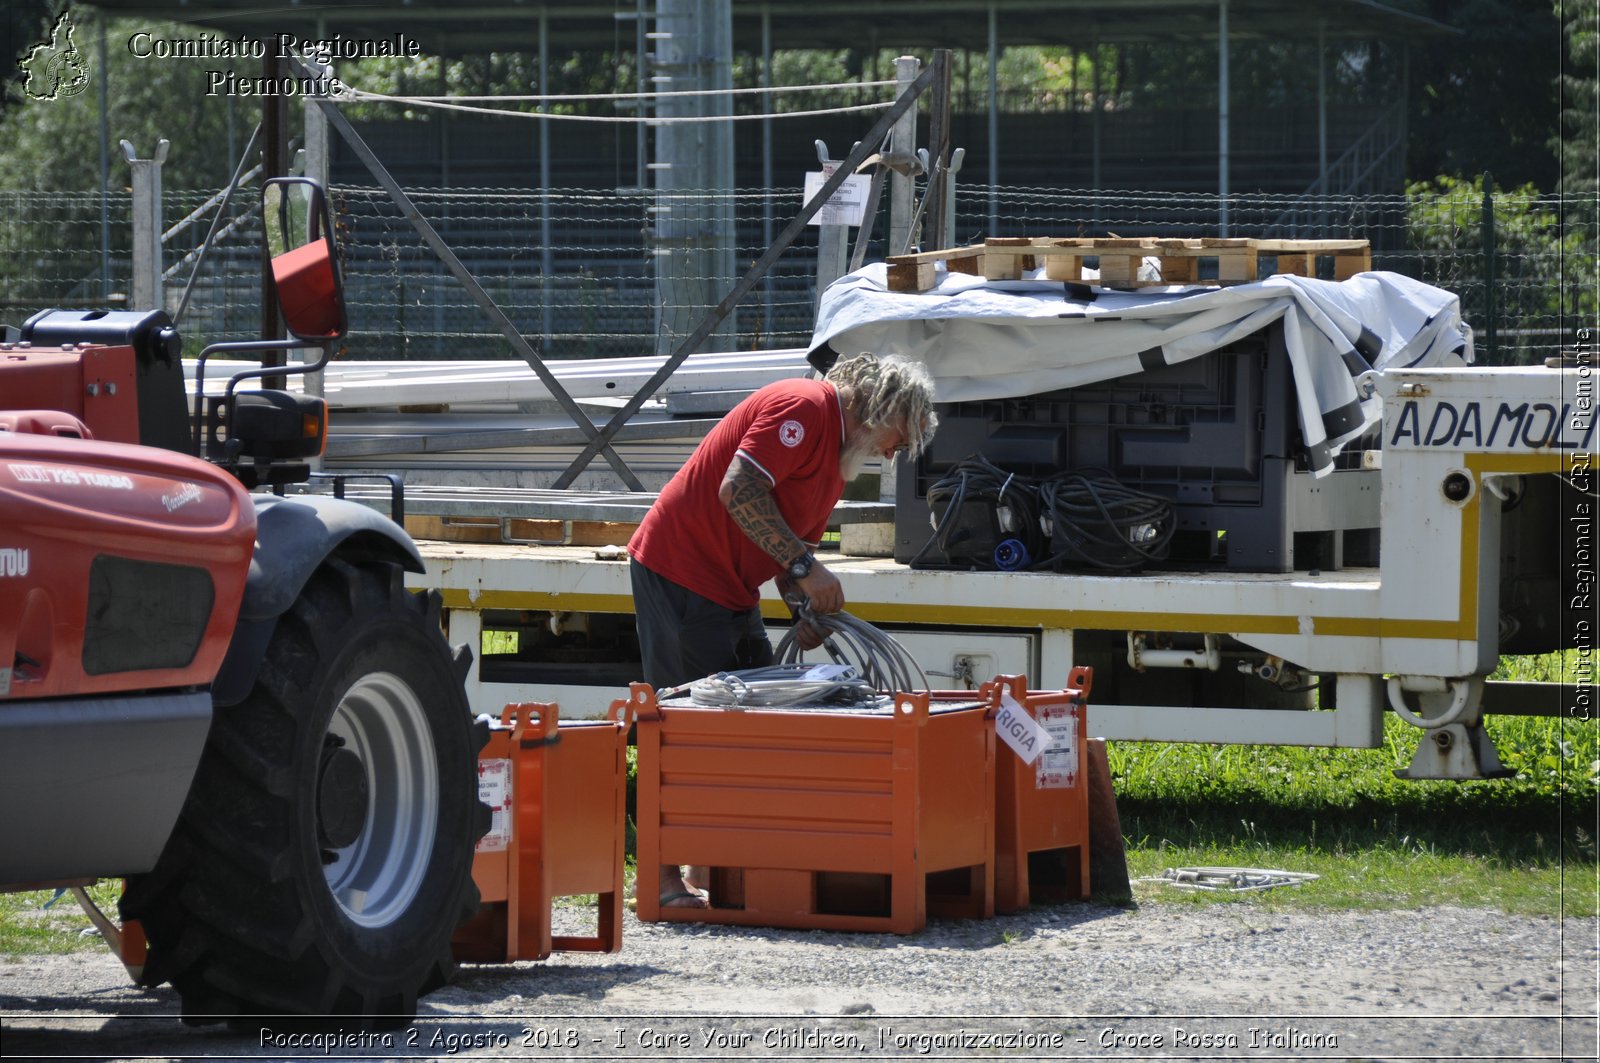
point(1230, 981)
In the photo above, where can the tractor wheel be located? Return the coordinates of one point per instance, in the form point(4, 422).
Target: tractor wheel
point(324, 855)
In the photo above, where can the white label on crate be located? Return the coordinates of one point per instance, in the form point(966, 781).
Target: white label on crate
point(494, 790)
point(1058, 766)
point(1019, 730)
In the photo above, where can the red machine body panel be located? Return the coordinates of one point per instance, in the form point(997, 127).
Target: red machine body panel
point(121, 567)
point(95, 384)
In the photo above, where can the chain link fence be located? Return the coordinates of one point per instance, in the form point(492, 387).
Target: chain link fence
point(576, 270)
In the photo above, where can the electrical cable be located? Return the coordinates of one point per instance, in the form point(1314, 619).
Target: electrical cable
point(779, 685)
point(1097, 520)
point(882, 662)
point(1014, 498)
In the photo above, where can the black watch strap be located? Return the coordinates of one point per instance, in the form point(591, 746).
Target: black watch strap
point(800, 568)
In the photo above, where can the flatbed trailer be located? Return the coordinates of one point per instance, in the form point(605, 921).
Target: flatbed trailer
point(1487, 485)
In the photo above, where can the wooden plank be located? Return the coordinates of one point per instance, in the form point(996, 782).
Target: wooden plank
point(968, 263)
point(1318, 247)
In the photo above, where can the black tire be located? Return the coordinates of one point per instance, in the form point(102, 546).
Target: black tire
point(324, 855)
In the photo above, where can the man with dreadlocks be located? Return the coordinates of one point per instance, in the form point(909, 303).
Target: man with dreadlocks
point(751, 505)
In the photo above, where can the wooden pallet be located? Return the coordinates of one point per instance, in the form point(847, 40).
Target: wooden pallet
point(1238, 260)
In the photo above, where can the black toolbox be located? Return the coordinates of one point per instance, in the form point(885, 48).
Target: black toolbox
point(1218, 435)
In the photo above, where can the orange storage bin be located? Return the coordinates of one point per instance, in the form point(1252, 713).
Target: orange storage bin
point(818, 818)
point(559, 793)
point(1042, 809)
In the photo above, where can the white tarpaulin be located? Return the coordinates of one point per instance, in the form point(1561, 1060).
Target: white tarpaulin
point(1005, 339)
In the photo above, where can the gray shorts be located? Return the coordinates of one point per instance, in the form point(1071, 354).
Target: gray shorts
point(684, 637)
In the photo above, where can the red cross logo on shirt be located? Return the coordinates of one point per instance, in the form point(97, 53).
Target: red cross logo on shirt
point(790, 433)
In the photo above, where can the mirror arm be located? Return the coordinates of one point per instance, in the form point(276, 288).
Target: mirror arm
point(247, 347)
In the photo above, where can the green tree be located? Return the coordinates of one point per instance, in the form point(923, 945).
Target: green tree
point(1485, 100)
point(1578, 144)
point(1538, 264)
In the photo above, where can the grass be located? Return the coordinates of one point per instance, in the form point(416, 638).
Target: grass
point(1523, 845)
point(28, 928)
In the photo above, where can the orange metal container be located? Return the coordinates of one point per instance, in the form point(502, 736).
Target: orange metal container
point(559, 794)
point(821, 819)
point(1042, 809)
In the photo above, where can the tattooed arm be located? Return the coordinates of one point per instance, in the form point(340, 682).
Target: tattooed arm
point(749, 501)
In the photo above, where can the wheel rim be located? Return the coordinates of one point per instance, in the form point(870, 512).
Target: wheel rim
point(375, 878)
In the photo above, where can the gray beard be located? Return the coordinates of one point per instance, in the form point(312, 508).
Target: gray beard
point(855, 455)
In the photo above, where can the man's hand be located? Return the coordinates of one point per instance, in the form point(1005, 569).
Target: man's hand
point(808, 635)
point(822, 588)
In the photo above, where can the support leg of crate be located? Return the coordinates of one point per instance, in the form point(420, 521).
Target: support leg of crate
point(1002, 265)
point(1119, 270)
point(1179, 269)
point(1297, 264)
point(1234, 267)
point(1348, 264)
point(1063, 268)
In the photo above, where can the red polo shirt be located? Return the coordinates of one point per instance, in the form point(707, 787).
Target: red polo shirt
point(791, 433)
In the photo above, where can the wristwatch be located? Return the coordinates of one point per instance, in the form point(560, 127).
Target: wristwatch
point(800, 568)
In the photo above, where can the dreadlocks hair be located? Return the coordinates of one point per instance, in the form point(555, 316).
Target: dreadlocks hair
point(882, 390)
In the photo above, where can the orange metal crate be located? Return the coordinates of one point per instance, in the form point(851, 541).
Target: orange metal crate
point(821, 819)
point(561, 833)
point(1042, 809)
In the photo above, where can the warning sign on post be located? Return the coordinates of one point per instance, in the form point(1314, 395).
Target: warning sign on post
point(848, 205)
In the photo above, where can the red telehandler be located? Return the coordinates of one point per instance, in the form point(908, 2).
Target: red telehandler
point(227, 698)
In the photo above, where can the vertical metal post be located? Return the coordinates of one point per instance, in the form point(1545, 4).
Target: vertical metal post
point(833, 242)
point(1094, 115)
point(105, 170)
point(766, 163)
point(317, 167)
point(1491, 280)
point(547, 262)
point(938, 152)
point(1323, 189)
point(273, 164)
point(147, 293)
point(694, 258)
point(903, 140)
point(992, 226)
point(1322, 107)
point(1222, 117)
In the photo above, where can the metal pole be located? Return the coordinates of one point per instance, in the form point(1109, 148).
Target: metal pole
point(1322, 108)
point(903, 141)
point(1490, 271)
point(938, 152)
point(105, 174)
point(1222, 117)
point(1094, 116)
point(147, 227)
point(316, 168)
point(547, 261)
point(993, 224)
point(766, 163)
